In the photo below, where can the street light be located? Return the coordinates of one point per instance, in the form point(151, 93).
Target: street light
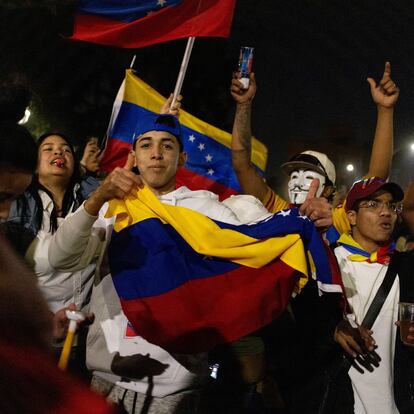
point(350, 167)
point(412, 147)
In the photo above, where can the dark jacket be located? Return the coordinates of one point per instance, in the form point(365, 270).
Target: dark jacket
point(21, 227)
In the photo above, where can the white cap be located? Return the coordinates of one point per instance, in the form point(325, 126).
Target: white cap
point(311, 160)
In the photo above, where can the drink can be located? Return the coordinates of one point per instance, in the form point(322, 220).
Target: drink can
point(214, 370)
point(245, 65)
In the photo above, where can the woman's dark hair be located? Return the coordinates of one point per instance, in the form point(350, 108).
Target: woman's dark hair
point(70, 199)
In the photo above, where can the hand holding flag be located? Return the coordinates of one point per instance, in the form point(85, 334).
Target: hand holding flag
point(173, 110)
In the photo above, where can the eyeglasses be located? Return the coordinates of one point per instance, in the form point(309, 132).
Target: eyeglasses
point(376, 205)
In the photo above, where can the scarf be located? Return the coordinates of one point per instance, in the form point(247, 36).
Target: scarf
point(358, 254)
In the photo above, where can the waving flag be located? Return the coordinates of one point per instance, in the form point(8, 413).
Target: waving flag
point(139, 23)
point(209, 165)
point(187, 283)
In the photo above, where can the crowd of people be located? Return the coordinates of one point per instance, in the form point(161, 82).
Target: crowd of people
point(330, 351)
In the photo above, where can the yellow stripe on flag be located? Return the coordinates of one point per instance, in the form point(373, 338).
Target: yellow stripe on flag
point(205, 236)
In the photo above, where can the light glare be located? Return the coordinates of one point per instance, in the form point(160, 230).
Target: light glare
point(26, 117)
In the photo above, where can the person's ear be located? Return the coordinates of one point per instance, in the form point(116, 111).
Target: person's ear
point(182, 158)
point(352, 216)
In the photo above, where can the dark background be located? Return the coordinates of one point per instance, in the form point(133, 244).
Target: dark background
point(311, 61)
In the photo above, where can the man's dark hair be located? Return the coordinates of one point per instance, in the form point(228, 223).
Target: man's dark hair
point(17, 149)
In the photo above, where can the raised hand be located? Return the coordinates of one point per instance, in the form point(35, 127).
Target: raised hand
point(172, 110)
point(317, 208)
point(386, 92)
point(239, 94)
point(90, 158)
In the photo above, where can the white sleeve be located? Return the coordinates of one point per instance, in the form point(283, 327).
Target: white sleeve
point(78, 241)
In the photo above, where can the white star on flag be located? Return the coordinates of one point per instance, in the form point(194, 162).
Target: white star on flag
point(210, 171)
point(191, 138)
point(284, 213)
point(201, 147)
point(304, 217)
point(161, 3)
point(208, 157)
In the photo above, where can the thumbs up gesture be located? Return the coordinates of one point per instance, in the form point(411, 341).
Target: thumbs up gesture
point(317, 208)
point(118, 184)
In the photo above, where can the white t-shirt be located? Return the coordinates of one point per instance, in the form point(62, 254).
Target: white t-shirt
point(373, 391)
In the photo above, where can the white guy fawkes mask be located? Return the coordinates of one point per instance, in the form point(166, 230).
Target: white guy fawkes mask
point(299, 183)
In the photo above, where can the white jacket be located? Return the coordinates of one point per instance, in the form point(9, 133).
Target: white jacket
point(83, 239)
point(59, 288)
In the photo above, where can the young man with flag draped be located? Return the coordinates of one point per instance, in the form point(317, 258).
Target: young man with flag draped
point(185, 272)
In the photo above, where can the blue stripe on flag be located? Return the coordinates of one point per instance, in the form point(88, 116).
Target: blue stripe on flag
point(149, 269)
point(287, 222)
point(125, 10)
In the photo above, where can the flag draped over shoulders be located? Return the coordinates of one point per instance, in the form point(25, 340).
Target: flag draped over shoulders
point(187, 283)
point(209, 163)
point(139, 23)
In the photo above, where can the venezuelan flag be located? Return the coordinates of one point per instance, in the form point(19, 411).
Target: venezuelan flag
point(209, 165)
point(187, 283)
point(139, 23)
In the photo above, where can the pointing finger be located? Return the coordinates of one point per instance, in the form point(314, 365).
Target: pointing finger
point(313, 188)
point(387, 70)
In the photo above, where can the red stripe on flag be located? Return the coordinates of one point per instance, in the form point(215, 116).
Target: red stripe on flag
point(115, 155)
point(205, 312)
point(190, 18)
point(198, 182)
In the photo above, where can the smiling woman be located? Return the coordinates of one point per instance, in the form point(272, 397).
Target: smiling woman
point(55, 192)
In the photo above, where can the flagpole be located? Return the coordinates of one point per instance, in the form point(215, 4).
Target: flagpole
point(132, 62)
point(183, 69)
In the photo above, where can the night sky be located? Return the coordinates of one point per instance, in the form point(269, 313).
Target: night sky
point(311, 62)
